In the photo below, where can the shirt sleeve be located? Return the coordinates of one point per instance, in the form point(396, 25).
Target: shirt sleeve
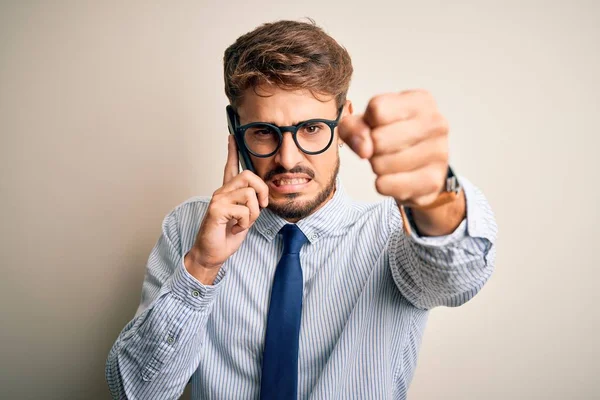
point(157, 352)
point(445, 270)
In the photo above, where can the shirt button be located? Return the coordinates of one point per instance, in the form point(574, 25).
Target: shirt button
point(314, 236)
point(195, 293)
point(170, 340)
point(269, 232)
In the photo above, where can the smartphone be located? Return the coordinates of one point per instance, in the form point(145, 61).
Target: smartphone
point(243, 155)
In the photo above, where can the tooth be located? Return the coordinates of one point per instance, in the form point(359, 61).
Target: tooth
point(294, 181)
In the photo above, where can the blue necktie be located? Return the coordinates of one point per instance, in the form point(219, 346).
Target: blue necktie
point(280, 357)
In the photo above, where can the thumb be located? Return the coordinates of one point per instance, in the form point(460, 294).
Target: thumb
point(354, 131)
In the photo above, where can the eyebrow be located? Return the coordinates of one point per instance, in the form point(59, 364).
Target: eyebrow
point(296, 122)
point(293, 124)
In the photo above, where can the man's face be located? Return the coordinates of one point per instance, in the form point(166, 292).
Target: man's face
point(299, 184)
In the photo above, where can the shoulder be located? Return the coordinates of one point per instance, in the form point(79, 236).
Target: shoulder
point(385, 208)
point(382, 216)
point(189, 211)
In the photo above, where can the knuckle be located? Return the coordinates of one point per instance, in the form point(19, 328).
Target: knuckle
point(249, 193)
point(213, 209)
point(439, 123)
point(381, 185)
point(216, 197)
point(442, 156)
point(444, 126)
point(438, 150)
point(247, 173)
point(377, 137)
point(377, 165)
point(442, 152)
point(252, 203)
point(253, 208)
point(244, 175)
point(425, 95)
point(246, 216)
point(375, 107)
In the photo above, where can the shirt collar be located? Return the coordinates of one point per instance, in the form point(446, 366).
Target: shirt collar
point(331, 219)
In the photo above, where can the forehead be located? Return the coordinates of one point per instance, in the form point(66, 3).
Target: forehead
point(284, 107)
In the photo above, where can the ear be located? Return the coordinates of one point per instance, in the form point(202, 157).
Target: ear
point(348, 109)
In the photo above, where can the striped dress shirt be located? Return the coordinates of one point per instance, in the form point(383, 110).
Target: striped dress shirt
point(367, 291)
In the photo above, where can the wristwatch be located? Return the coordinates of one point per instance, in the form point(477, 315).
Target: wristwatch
point(449, 193)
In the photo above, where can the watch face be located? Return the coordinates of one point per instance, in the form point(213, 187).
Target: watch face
point(452, 184)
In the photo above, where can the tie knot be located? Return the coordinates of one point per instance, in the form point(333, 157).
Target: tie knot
point(293, 239)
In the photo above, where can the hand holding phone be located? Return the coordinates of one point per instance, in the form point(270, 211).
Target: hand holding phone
point(231, 212)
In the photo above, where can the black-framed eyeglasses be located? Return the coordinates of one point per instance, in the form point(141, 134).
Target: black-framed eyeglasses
point(263, 139)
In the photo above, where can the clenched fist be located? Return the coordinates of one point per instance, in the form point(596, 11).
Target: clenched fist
point(405, 139)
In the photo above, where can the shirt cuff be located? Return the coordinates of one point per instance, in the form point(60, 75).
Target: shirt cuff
point(480, 218)
point(438, 241)
point(193, 292)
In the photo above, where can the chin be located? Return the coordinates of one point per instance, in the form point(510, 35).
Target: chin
point(295, 206)
point(293, 200)
point(291, 210)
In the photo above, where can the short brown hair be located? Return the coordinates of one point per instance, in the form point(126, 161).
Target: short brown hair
point(292, 55)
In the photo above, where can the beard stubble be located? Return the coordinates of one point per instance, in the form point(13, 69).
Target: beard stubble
point(294, 211)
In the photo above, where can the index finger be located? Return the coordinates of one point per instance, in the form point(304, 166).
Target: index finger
point(232, 167)
point(248, 179)
point(356, 133)
point(392, 107)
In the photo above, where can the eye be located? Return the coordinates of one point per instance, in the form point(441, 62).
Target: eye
point(312, 128)
point(261, 131)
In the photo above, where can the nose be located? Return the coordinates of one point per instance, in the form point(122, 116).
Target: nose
point(289, 155)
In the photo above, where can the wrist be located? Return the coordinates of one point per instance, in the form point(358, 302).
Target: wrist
point(441, 220)
point(203, 273)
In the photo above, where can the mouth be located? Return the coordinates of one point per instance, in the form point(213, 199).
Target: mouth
point(289, 184)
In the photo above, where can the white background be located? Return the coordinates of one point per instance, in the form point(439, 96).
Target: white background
point(112, 113)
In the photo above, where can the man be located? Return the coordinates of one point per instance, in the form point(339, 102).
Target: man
point(279, 285)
